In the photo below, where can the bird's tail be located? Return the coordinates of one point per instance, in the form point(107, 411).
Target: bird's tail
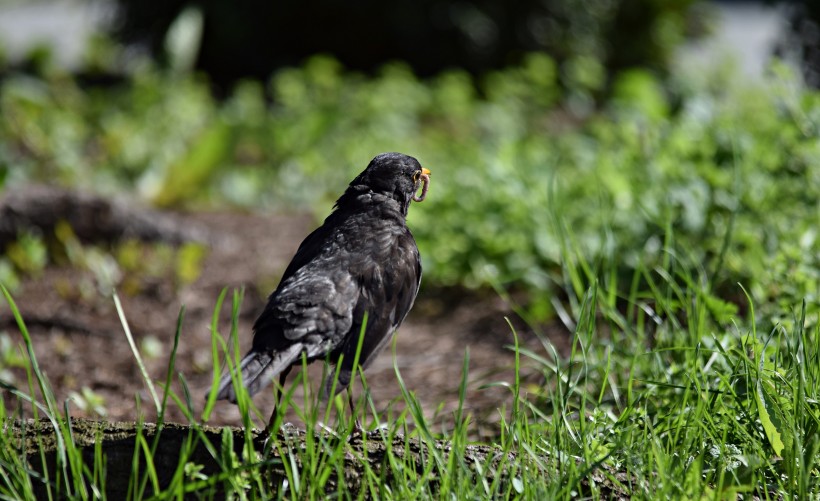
point(335, 386)
point(258, 368)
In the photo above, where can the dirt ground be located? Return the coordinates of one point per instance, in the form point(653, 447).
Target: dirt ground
point(79, 342)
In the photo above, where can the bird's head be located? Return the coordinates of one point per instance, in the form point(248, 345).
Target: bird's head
point(395, 175)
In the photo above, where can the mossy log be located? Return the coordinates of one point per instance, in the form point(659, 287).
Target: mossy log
point(92, 217)
point(207, 447)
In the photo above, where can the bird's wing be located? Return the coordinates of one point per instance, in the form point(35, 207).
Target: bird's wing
point(308, 250)
point(313, 307)
point(310, 312)
point(388, 289)
point(313, 245)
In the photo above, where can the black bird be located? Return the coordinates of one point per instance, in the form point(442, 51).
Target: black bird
point(362, 261)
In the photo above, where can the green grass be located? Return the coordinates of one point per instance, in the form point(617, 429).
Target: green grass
point(659, 397)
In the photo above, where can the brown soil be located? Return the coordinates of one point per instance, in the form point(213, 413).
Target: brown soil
point(79, 341)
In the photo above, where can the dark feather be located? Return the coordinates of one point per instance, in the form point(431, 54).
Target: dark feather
point(257, 369)
point(362, 261)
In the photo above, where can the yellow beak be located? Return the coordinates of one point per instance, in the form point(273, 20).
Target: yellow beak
point(424, 171)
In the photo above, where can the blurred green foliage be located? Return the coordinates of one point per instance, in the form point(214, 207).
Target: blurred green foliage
point(89, 401)
point(728, 174)
point(132, 266)
point(28, 253)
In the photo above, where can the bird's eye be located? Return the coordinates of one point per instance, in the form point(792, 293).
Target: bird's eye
point(416, 176)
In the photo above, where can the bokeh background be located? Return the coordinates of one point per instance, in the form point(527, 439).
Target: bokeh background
point(621, 132)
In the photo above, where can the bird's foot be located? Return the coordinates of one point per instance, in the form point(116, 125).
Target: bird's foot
point(357, 431)
point(286, 429)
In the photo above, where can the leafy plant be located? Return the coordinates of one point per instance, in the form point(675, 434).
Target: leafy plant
point(90, 401)
point(729, 168)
